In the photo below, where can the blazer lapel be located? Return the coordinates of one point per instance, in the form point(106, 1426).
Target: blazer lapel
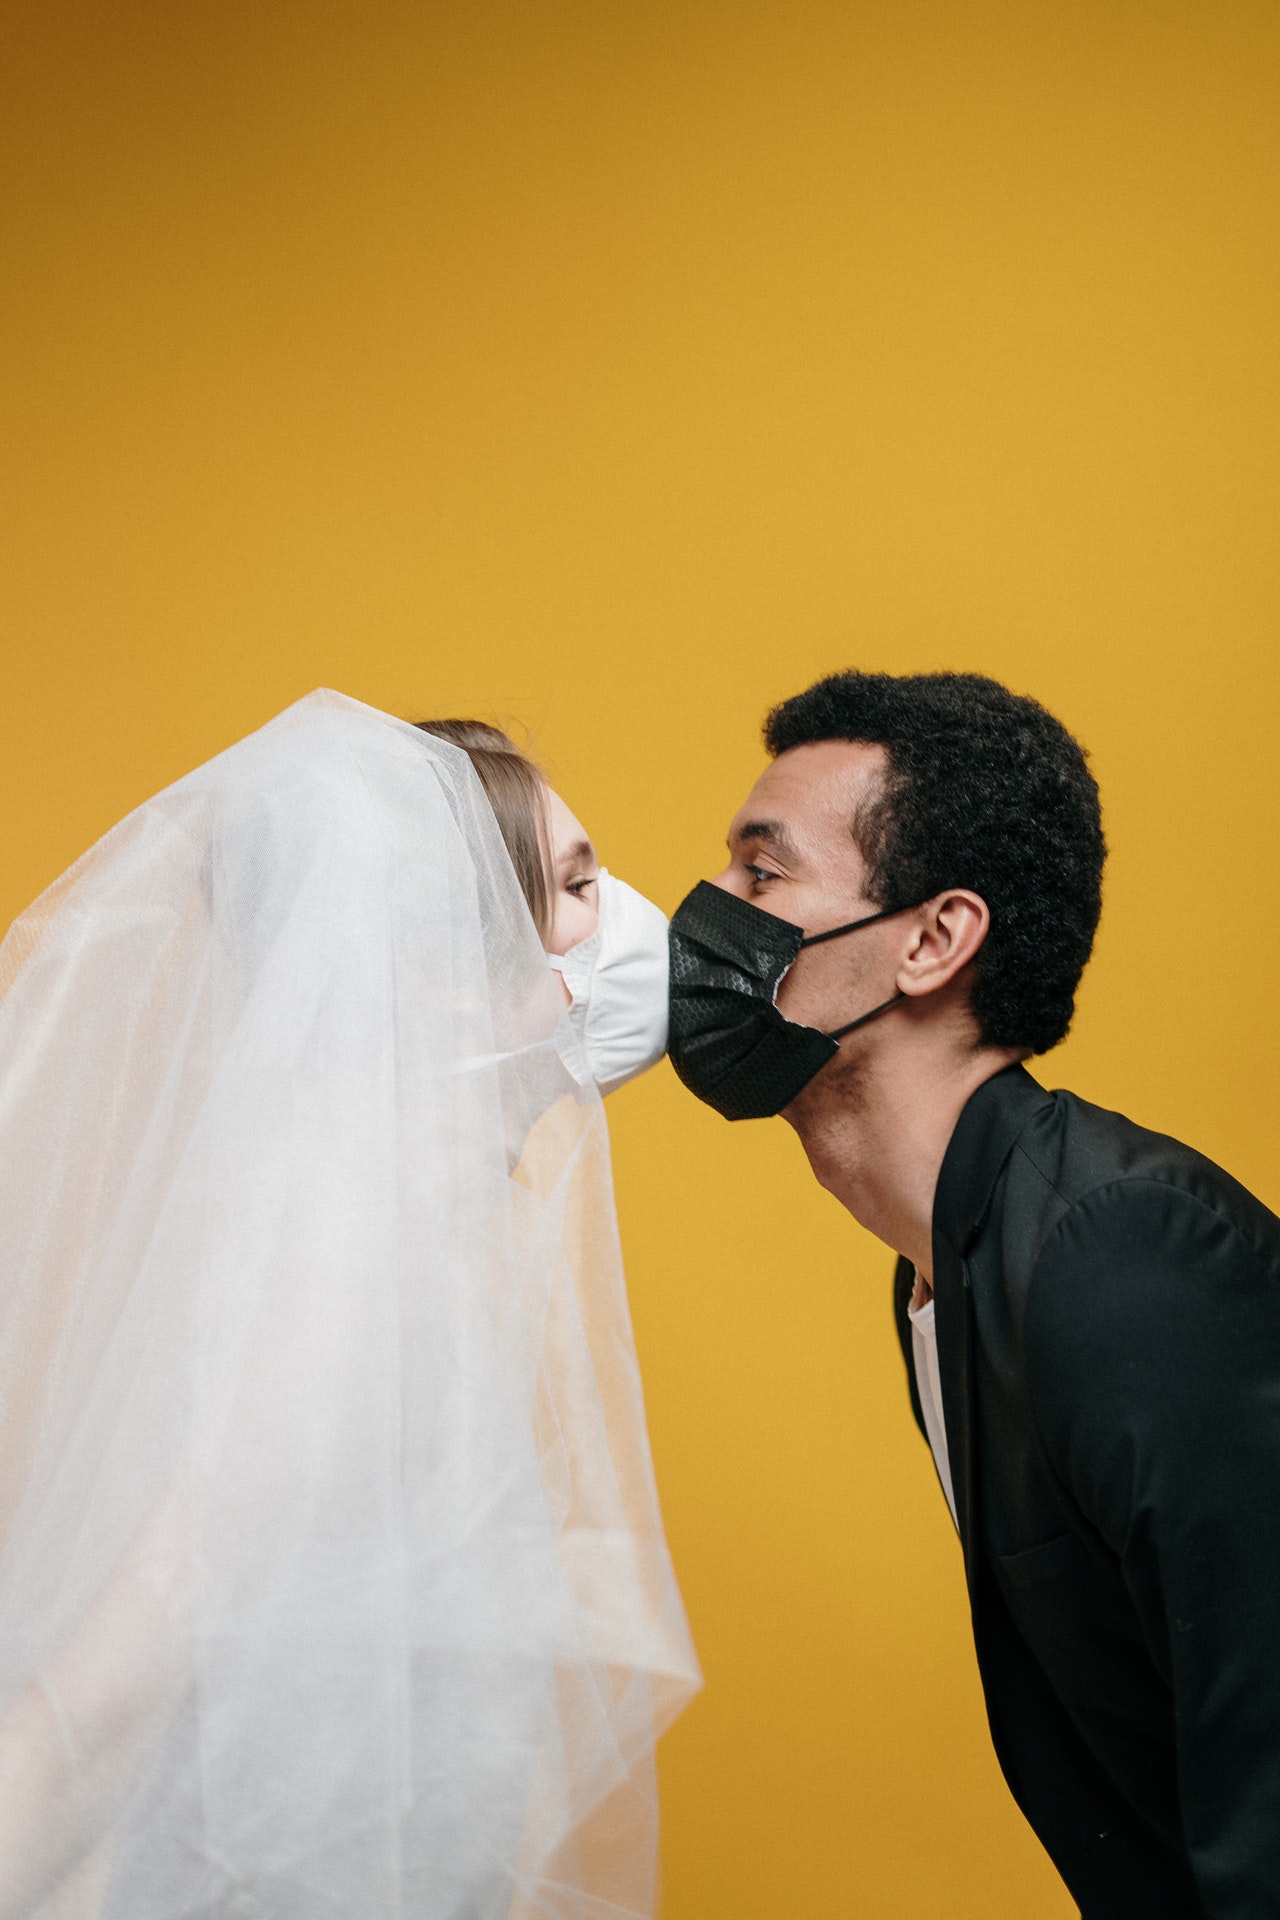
point(983, 1139)
point(903, 1286)
point(953, 1323)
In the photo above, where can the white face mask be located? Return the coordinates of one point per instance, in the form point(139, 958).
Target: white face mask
point(618, 980)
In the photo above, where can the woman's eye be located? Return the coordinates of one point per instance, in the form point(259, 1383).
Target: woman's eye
point(579, 887)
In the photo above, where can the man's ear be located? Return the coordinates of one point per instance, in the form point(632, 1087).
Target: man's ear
point(946, 936)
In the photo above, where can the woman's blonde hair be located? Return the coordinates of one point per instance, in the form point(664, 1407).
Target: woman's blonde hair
point(517, 792)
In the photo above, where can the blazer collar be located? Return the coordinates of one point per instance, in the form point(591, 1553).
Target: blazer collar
point(984, 1135)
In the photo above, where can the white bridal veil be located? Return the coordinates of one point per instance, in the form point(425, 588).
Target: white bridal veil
point(332, 1577)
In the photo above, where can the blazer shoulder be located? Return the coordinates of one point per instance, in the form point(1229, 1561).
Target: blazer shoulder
point(1100, 1164)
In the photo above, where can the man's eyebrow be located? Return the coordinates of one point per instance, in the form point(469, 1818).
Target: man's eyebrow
point(581, 850)
point(772, 832)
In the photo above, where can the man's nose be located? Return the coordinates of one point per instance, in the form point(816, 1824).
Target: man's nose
point(733, 879)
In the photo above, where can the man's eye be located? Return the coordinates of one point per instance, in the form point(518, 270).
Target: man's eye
point(760, 873)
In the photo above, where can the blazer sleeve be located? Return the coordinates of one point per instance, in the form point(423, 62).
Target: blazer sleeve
point(1153, 1358)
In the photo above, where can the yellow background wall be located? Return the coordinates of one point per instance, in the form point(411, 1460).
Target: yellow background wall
point(620, 367)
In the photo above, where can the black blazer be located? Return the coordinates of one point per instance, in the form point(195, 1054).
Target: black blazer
point(1108, 1328)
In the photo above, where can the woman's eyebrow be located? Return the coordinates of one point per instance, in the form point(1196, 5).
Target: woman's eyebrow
point(581, 853)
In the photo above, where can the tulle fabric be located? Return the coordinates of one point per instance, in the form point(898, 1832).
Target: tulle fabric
point(333, 1581)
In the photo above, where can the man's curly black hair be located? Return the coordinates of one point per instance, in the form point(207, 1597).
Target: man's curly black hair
point(985, 790)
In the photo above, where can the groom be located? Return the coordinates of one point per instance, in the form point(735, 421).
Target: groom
point(1089, 1312)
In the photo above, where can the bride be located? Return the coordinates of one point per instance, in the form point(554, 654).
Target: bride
point(332, 1576)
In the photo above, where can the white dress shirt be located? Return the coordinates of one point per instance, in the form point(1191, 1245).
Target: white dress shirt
point(924, 1352)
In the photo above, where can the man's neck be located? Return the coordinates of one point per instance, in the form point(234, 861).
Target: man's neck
point(876, 1136)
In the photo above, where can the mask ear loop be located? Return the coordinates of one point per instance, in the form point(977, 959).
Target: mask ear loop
point(851, 926)
point(816, 939)
point(862, 1019)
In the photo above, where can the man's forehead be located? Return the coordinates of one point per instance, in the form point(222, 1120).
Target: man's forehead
point(812, 791)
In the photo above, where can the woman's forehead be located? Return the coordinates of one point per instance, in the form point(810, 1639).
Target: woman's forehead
point(568, 835)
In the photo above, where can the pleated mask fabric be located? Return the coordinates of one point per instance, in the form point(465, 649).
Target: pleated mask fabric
point(332, 1574)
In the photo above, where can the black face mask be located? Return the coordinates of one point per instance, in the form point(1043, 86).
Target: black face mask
point(728, 1042)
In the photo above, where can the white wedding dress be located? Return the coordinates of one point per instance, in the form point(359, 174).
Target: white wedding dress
point(332, 1578)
